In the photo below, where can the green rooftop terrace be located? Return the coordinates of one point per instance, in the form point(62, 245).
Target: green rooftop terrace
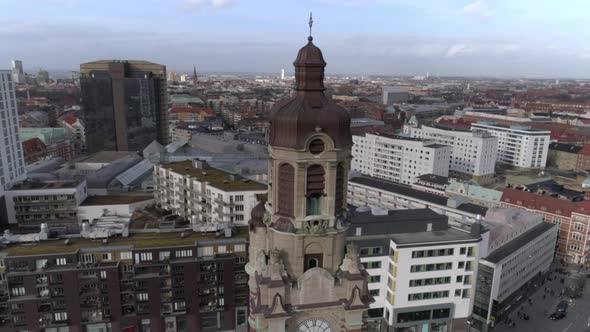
point(114, 200)
point(216, 177)
point(137, 241)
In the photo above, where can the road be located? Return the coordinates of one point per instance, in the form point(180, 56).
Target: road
point(578, 312)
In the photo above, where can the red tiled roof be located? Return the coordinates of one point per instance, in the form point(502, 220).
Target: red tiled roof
point(33, 145)
point(585, 150)
point(70, 119)
point(190, 109)
point(544, 203)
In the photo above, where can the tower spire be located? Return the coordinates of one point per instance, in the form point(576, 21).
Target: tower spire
point(195, 80)
point(310, 26)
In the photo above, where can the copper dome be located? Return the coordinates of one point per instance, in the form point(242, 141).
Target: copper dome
point(295, 119)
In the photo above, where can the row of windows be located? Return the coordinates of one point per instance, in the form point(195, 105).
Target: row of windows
point(428, 295)
point(431, 267)
point(430, 281)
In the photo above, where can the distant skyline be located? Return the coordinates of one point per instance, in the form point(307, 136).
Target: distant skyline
point(495, 38)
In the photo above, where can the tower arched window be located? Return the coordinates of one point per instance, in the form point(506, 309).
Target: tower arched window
point(286, 190)
point(339, 199)
point(315, 189)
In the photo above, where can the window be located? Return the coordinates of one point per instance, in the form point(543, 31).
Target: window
point(374, 292)
point(239, 198)
point(17, 291)
point(373, 279)
point(462, 251)
point(372, 265)
point(87, 259)
point(239, 208)
point(184, 253)
point(107, 256)
point(239, 248)
point(205, 251)
point(103, 275)
point(470, 251)
point(126, 255)
point(461, 265)
point(314, 205)
point(142, 297)
point(221, 249)
point(163, 255)
point(146, 256)
point(459, 278)
point(180, 306)
point(61, 261)
point(60, 316)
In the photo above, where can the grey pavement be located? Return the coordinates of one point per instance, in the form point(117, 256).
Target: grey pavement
point(578, 312)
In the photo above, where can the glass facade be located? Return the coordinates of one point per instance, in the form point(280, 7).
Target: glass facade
point(120, 113)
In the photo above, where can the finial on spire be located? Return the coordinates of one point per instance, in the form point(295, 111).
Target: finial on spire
point(310, 38)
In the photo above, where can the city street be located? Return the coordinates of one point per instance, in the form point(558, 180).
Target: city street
point(576, 320)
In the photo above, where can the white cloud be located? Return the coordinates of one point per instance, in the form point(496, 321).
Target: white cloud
point(194, 4)
point(457, 49)
point(478, 8)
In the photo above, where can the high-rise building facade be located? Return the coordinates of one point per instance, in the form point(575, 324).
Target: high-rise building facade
point(299, 276)
point(124, 104)
point(519, 146)
point(175, 281)
point(473, 152)
point(12, 165)
point(399, 158)
point(18, 74)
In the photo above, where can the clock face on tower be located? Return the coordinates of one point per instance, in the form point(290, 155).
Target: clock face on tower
point(314, 325)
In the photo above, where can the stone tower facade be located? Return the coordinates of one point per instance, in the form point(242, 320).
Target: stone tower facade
point(301, 277)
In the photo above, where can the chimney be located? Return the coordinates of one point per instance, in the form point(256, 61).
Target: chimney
point(201, 164)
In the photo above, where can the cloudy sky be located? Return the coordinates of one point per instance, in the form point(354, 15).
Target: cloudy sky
point(503, 38)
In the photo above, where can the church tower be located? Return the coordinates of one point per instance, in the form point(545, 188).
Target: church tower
point(300, 277)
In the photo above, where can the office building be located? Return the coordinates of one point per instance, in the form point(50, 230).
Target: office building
point(52, 202)
point(519, 146)
point(519, 249)
point(300, 278)
point(378, 193)
point(399, 158)
point(12, 166)
point(124, 104)
point(174, 281)
point(395, 95)
point(18, 73)
point(473, 152)
point(572, 218)
point(421, 271)
point(203, 195)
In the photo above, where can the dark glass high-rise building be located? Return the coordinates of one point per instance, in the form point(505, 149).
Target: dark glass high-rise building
point(124, 104)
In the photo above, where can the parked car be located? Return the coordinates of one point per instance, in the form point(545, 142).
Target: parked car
point(562, 306)
point(557, 315)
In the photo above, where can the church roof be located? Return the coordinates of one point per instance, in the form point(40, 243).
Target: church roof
point(308, 111)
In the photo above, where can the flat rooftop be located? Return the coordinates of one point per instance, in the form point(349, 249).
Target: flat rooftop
point(448, 235)
point(114, 200)
point(104, 157)
point(408, 191)
point(136, 241)
point(216, 177)
point(510, 247)
point(39, 185)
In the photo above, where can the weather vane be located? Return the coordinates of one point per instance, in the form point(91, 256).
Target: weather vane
point(310, 23)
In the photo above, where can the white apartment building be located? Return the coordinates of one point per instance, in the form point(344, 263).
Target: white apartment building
point(12, 165)
point(203, 195)
point(421, 271)
point(520, 246)
point(378, 193)
point(473, 154)
point(53, 202)
point(398, 158)
point(519, 146)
